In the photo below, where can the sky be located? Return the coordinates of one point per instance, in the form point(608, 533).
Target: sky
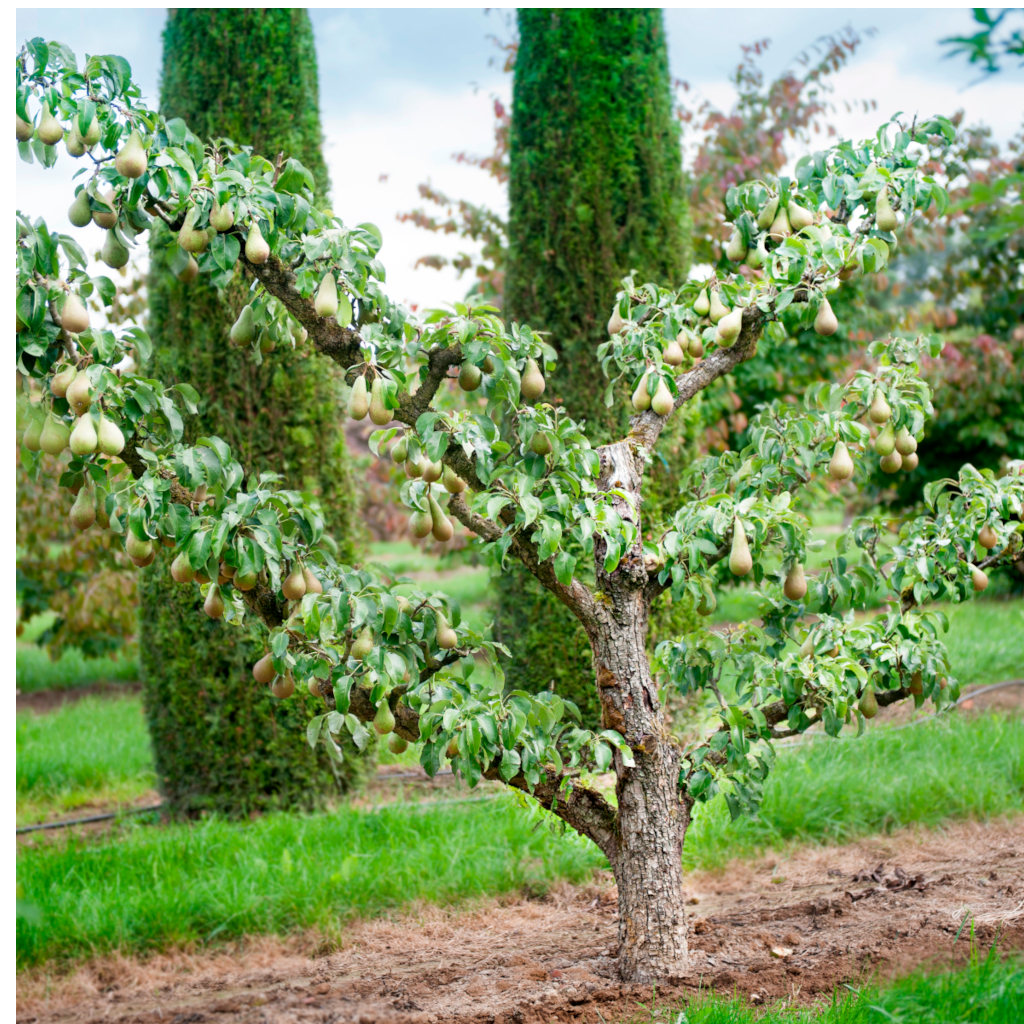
point(401, 91)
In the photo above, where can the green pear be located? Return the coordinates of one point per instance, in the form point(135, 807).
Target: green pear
point(795, 587)
point(358, 402)
point(446, 636)
point(718, 308)
point(114, 253)
point(191, 238)
point(616, 325)
point(54, 436)
point(344, 314)
point(326, 303)
point(181, 569)
point(767, 214)
point(283, 686)
point(885, 215)
point(83, 511)
point(363, 644)
point(243, 330)
point(879, 411)
point(189, 272)
point(891, 463)
point(137, 548)
point(256, 248)
point(61, 381)
point(799, 217)
point(886, 440)
point(80, 212)
point(906, 443)
point(414, 467)
point(641, 397)
point(696, 346)
point(384, 720)
point(740, 559)
point(487, 365)
point(868, 705)
point(379, 412)
point(441, 526)
point(222, 217)
point(74, 317)
point(910, 462)
point(400, 451)
point(825, 322)
point(293, 586)
point(452, 483)
point(532, 384)
point(49, 131)
point(540, 444)
point(79, 393)
point(736, 250)
point(729, 327)
point(313, 585)
point(24, 129)
point(396, 744)
point(662, 403)
point(263, 671)
point(83, 440)
point(93, 133)
point(470, 377)
point(431, 471)
point(916, 684)
point(102, 517)
point(106, 216)
point(757, 255)
point(987, 538)
point(702, 306)
point(132, 161)
point(73, 141)
point(34, 430)
point(674, 354)
point(780, 229)
point(841, 465)
point(420, 524)
point(214, 603)
point(979, 580)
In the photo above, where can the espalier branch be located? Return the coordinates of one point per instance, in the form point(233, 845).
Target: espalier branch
point(517, 471)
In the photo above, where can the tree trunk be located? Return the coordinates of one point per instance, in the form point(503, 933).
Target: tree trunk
point(653, 814)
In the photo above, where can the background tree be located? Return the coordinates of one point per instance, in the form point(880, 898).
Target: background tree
point(248, 74)
point(524, 477)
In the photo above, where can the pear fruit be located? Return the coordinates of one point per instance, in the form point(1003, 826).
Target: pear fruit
point(616, 324)
point(767, 214)
point(293, 586)
point(707, 603)
point(33, 431)
point(879, 411)
point(740, 560)
point(840, 466)
point(102, 516)
point(736, 250)
point(453, 483)
point(757, 255)
point(470, 376)
point(80, 212)
point(384, 720)
point(344, 314)
point(181, 568)
point(243, 330)
point(358, 403)
point(396, 744)
point(696, 346)
point(245, 580)
point(222, 218)
point(446, 636)
point(214, 603)
point(283, 686)
point(420, 524)
point(23, 129)
point(540, 444)
point(780, 228)
point(313, 585)
point(79, 393)
point(114, 253)
point(83, 512)
point(363, 644)
point(868, 705)
point(662, 403)
point(432, 471)
point(719, 309)
point(107, 216)
point(73, 141)
point(83, 440)
point(400, 451)
point(189, 272)
point(807, 647)
point(487, 365)
point(988, 538)
point(885, 443)
point(452, 750)
point(674, 354)
point(885, 215)
point(414, 467)
point(256, 248)
point(137, 547)
point(799, 217)
point(703, 305)
point(916, 684)
point(848, 271)
point(379, 412)
point(825, 322)
point(74, 317)
point(62, 381)
point(891, 463)
point(532, 384)
point(979, 580)
point(910, 462)
point(326, 302)
point(191, 238)
point(641, 397)
point(729, 327)
point(906, 443)
point(132, 161)
point(263, 670)
point(441, 526)
point(49, 131)
point(795, 587)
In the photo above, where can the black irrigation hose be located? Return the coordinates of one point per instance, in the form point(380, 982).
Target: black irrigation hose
point(473, 800)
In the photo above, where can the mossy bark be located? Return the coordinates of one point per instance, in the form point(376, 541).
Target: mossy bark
point(595, 191)
point(221, 743)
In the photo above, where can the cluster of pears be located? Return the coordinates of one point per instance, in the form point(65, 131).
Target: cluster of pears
point(531, 382)
point(194, 240)
point(988, 539)
point(686, 342)
point(777, 222)
point(244, 332)
point(81, 212)
point(728, 322)
point(897, 448)
point(660, 402)
point(362, 402)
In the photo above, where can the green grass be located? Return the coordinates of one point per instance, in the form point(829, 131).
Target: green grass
point(988, 991)
point(194, 883)
point(93, 751)
point(837, 790)
point(986, 640)
point(35, 670)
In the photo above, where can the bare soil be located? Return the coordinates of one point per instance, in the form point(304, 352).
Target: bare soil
point(42, 701)
point(769, 930)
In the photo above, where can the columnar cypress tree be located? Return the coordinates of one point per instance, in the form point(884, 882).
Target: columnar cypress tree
point(248, 74)
point(595, 191)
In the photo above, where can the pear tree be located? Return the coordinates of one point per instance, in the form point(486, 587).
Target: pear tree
point(518, 472)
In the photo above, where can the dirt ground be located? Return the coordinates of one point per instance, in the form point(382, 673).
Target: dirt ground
point(769, 930)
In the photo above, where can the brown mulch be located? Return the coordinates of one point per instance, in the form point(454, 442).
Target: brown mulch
point(767, 930)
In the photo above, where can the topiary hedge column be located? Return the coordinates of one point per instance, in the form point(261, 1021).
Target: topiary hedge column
point(221, 742)
point(595, 191)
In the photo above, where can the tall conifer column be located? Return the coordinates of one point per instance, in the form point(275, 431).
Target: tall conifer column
point(221, 742)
